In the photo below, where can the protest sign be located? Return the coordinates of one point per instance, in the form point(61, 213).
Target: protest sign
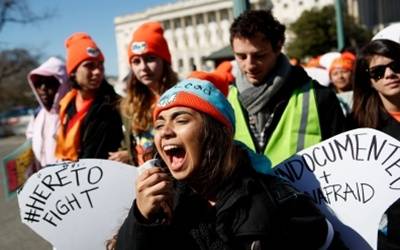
point(353, 177)
point(78, 205)
point(17, 167)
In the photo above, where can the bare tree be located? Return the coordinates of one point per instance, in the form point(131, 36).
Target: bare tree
point(15, 65)
point(18, 11)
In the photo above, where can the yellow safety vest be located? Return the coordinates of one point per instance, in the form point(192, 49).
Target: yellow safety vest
point(297, 129)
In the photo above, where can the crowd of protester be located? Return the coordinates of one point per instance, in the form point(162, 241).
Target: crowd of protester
point(207, 128)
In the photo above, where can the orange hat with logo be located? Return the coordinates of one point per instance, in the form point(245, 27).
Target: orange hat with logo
point(81, 47)
point(201, 95)
point(149, 39)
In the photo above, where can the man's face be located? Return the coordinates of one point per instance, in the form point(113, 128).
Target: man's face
point(46, 88)
point(255, 56)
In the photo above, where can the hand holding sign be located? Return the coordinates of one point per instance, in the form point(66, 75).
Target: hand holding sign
point(78, 205)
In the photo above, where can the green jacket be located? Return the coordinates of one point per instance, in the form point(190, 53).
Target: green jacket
point(305, 113)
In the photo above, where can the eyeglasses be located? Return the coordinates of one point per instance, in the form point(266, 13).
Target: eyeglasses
point(377, 72)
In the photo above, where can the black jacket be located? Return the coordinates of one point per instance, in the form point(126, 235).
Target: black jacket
point(101, 130)
point(390, 126)
point(391, 241)
point(251, 210)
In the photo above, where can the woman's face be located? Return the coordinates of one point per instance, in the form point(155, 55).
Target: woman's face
point(148, 69)
point(341, 79)
point(178, 139)
point(89, 75)
point(385, 76)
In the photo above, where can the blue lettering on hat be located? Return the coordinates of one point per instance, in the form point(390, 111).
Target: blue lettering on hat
point(92, 52)
point(139, 47)
point(203, 89)
point(198, 87)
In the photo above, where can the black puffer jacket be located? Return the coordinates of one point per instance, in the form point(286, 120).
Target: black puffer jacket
point(101, 130)
point(252, 211)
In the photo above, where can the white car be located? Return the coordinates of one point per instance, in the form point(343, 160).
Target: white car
point(15, 121)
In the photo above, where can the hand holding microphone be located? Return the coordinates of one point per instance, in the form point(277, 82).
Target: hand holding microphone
point(154, 189)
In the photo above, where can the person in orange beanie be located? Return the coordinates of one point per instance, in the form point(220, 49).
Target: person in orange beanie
point(90, 124)
point(150, 75)
point(81, 47)
point(149, 39)
point(205, 194)
point(340, 73)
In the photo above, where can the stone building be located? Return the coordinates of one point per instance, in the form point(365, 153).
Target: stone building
point(195, 29)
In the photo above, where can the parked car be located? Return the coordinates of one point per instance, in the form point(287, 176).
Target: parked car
point(15, 121)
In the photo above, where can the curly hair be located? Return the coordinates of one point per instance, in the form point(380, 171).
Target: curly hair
point(251, 22)
point(367, 104)
point(139, 101)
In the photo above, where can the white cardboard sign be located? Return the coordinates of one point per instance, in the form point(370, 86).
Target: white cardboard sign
point(78, 205)
point(353, 177)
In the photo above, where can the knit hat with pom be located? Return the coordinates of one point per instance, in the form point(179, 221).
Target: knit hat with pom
point(200, 95)
point(219, 80)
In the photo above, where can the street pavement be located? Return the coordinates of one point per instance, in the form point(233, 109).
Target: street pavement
point(13, 234)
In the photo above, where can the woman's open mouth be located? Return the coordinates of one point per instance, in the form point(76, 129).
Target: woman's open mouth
point(176, 156)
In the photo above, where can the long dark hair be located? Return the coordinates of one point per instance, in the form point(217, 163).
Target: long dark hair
point(220, 157)
point(367, 105)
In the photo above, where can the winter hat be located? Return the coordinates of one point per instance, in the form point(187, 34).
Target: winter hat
point(225, 70)
point(52, 67)
point(326, 59)
point(200, 95)
point(349, 55)
point(219, 80)
point(391, 32)
point(344, 62)
point(81, 47)
point(149, 38)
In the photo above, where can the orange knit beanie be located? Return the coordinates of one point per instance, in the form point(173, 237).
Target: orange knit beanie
point(149, 38)
point(343, 62)
point(81, 47)
point(220, 81)
point(201, 95)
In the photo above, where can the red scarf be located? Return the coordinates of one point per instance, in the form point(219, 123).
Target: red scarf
point(395, 115)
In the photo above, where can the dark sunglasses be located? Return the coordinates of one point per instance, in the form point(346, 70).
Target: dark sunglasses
point(377, 72)
point(46, 81)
